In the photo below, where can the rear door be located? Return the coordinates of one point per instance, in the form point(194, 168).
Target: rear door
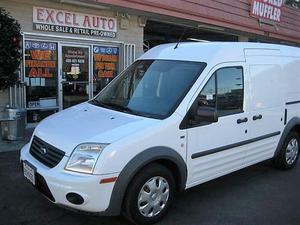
point(266, 106)
point(215, 149)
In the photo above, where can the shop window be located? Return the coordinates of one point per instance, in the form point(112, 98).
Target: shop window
point(106, 64)
point(41, 77)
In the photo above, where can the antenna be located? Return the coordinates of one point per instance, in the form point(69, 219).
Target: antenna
point(179, 40)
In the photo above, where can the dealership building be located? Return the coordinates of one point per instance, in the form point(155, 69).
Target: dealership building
point(73, 48)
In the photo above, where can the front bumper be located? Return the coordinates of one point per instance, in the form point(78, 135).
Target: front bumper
point(61, 182)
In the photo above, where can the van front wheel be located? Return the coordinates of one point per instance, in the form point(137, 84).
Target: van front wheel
point(149, 195)
point(289, 154)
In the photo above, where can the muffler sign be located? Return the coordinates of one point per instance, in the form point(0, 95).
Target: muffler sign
point(267, 9)
point(54, 20)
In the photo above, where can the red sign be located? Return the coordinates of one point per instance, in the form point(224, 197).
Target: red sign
point(267, 9)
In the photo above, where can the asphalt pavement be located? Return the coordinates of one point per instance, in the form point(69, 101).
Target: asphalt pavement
point(258, 195)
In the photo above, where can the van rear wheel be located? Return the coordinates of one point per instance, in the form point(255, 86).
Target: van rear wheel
point(289, 154)
point(149, 195)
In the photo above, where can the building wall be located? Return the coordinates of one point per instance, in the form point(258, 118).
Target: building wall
point(233, 14)
point(22, 10)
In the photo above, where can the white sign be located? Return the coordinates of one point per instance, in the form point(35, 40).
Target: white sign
point(54, 20)
point(267, 9)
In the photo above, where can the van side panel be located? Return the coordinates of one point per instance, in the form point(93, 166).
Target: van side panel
point(291, 69)
point(272, 99)
point(291, 86)
point(266, 103)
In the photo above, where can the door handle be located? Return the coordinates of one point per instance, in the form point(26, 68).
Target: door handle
point(243, 120)
point(257, 117)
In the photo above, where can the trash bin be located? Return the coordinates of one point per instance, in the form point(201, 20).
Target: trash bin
point(13, 126)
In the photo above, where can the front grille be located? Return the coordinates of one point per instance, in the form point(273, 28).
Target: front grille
point(45, 153)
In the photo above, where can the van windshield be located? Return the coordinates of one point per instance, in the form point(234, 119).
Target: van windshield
point(150, 88)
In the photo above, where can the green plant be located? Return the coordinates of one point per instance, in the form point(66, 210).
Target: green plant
point(293, 3)
point(10, 49)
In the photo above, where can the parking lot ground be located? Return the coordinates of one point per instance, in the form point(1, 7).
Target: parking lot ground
point(258, 195)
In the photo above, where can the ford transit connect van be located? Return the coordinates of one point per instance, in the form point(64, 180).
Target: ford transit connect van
point(176, 118)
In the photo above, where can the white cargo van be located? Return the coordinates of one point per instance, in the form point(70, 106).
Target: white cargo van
point(175, 118)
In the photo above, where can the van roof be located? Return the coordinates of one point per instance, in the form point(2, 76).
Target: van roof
point(213, 51)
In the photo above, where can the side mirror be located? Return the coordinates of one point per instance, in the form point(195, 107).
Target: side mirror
point(207, 114)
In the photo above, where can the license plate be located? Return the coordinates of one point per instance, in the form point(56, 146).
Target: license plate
point(29, 172)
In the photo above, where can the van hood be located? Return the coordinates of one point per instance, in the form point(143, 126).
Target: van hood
point(88, 123)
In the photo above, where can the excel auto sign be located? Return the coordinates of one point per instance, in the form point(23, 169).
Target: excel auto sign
point(267, 9)
point(54, 20)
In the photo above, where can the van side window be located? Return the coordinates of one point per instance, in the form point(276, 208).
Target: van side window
point(230, 90)
point(224, 91)
point(207, 96)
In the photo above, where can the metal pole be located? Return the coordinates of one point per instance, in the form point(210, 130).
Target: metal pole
point(15, 97)
point(22, 90)
point(24, 95)
point(19, 95)
point(10, 96)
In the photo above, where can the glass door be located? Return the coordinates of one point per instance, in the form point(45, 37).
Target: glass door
point(75, 75)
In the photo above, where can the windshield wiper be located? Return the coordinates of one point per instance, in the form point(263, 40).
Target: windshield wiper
point(112, 105)
point(117, 106)
point(97, 102)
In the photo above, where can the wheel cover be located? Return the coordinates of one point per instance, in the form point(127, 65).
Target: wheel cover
point(153, 196)
point(292, 151)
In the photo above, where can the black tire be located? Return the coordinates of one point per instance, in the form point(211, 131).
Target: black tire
point(131, 206)
point(281, 161)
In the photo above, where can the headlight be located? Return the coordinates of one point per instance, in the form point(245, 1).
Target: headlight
point(84, 157)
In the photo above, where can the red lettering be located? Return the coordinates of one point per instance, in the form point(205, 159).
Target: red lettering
point(50, 16)
point(86, 21)
point(111, 24)
point(110, 66)
point(59, 16)
point(103, 21)
point(99, 65)
point(105, 58)
point(67, 18)
point(95, 21)
point(75, 23)
point(39, 63)
point(40, 55)
point(47, 73)
point(40, 14)
point(104, 73)
point(32, 72)
point(40, 73)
